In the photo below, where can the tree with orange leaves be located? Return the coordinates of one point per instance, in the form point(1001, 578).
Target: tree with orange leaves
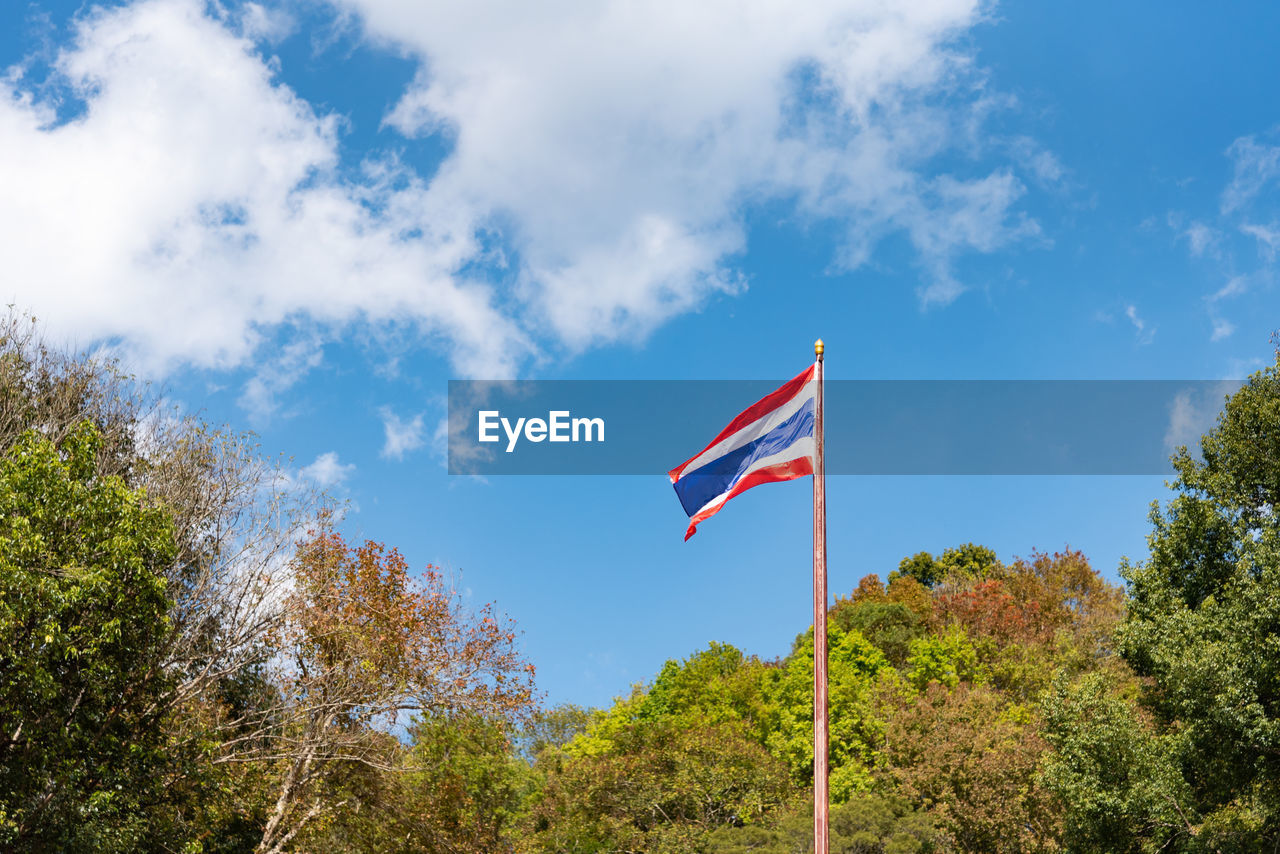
point(363, 645)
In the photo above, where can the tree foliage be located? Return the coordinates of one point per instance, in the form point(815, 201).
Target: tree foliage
point(969, 561)
point(1203, 619)
point(176, 672)
point(179, 672)
point(866, 824)
point(1118, 778)
point(83, 625)
point(363, 643)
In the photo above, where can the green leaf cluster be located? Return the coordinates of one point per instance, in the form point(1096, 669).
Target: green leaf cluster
point(83, 622)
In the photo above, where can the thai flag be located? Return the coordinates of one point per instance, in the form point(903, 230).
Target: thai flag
point(769, 442)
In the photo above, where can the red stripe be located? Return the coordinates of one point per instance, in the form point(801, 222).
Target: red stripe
point(790, 470)
point(757, 410)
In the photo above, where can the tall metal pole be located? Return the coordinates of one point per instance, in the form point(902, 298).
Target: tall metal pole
point(821, 842)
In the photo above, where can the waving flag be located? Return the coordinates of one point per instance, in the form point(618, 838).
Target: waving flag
point(772, 440)
point(779, 438)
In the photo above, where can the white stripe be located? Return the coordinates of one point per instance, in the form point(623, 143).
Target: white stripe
point(754, 430)
point(802, 447)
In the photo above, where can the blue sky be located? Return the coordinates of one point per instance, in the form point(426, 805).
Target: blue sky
point(304, 217)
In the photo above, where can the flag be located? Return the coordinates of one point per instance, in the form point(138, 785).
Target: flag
point(771, 441)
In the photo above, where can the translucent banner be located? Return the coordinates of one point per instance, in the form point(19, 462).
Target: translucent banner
point(880, 427)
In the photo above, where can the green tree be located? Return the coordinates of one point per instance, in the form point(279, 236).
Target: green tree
point(1203, 621)
point(661, 786)
point(947, 658)
point(854, 668)
point(969, 757)
point(890, 626)
point(867, 824)
point(1118, 778)
point(718, 685)
point(83, 626)
point(660, 769)
point(234, 518)
point(554, 727)
point(968, 561)
point(456, 787)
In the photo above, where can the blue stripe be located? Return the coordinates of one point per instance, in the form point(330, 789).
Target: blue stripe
point(695, 488)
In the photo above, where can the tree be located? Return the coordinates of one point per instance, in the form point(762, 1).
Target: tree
point(362, 644)
point(1068, 594)
point(890, 626)
point(867, 824)
point(870, 589)
point(906, 591)
point(947, 659)
point(1119, 780)
point(969, 758)
point(234, 517)
point(554, 727)
point(83, 629)
point(458, 788)
point(666, 765)
point(1203, 622)
point(968, 561)
point(661, 786)
point(257, 646)
point(854, 668)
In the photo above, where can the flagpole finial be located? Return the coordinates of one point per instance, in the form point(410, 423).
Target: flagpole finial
point(818, 347)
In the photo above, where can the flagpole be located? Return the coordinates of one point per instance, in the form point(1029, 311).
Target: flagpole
point(821, 842)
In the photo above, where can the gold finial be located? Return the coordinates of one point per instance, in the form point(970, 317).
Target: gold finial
point(818, 347)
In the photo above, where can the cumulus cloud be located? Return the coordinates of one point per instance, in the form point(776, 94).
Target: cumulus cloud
point(327, 471)
point(400, 435)
point(196, 204)
point(644, 128)
point(609, 149)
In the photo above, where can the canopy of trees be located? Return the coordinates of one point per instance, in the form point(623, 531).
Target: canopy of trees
point(193, 659)
point(182, 670)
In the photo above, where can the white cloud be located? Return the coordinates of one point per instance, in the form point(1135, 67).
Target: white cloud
point(1237, 368)
point(290, 364)
point(197, 206)
point(1268, 237)
point(1190, 416)
point(643, 129)
point(1042, 164)
point(1144, 334)
point(268, 24)
point(1194, 411)
point(1131, 312)
point(968, 214)
point(400, 435)
point(1235, 286)
point(1222, 329)
point(1255, 165)
point(327, 471)
point(1200, 238)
